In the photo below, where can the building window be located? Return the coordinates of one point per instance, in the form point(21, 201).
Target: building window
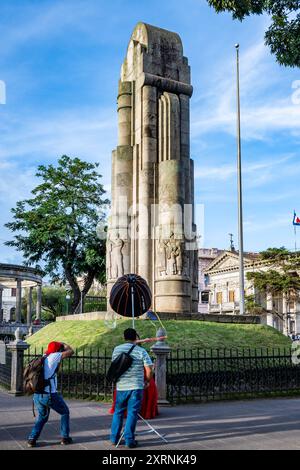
point(206, 280)
point(13, 292)
point(231, 296)
point(219, 298)
point(205, 297)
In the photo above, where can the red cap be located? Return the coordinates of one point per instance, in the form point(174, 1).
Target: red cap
point(53, 347)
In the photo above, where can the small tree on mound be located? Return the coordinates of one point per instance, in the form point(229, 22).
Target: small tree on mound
point(57, 226)
point(283, 276)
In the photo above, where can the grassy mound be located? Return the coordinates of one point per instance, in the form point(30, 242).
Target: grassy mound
point(95, 334)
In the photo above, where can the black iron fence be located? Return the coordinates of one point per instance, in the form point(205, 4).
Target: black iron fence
point(192, 376)
point(82, 375)
point(5, 365)
point(202, 375)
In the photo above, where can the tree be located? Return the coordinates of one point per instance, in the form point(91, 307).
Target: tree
point(283, 35)
point(53, 302)
point(57, 226)
point(282, 277)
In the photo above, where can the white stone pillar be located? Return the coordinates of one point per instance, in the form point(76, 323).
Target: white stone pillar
point(29, 306)
point(285, 313)
point(19, 301)
point(270, 321)
point(1, 309)
point(38, 310)
point(146, 179)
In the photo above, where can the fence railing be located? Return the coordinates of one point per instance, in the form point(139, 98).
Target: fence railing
point(202, 375)
point(5, 365)
point(83, 375)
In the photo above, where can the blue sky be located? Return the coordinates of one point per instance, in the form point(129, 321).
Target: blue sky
point(60, 60)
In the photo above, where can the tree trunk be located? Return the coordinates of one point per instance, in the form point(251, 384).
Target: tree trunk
point(75, 289)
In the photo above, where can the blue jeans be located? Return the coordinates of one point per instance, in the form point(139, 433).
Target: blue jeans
point(132, 401)
point(45, 402)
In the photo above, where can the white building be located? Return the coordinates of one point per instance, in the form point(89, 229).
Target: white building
point(222, 281)
point(205, 257)
point(9, 303)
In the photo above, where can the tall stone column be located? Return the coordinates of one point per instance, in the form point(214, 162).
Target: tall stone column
point(153, 171)
point(1, 307)
point(38, 302)
point(19, 301)
point(29, 306)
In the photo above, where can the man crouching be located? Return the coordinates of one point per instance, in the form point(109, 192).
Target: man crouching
point(50, 399)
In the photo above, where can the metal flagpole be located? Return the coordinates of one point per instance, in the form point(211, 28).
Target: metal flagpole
point(240, 194)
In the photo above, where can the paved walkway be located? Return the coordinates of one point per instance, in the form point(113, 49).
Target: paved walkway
point(258, 424)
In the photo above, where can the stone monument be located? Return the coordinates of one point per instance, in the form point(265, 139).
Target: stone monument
point(151, 229)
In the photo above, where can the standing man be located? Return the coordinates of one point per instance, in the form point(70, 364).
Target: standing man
point(130, 388)
point(50, 399)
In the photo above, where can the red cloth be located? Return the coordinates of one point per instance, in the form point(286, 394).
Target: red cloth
point(149, 404)
point(53, 347)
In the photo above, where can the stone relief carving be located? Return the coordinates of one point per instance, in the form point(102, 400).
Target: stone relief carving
point(170, 256)
point(116, 264)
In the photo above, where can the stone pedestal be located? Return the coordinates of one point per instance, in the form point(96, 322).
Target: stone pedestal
point(161, 350)
point(29, 306)
point(17, 349)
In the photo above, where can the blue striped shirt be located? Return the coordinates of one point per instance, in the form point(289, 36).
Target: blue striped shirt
point(133, 378)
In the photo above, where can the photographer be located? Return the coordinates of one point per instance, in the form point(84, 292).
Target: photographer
point(50, 399)
point(130, 389)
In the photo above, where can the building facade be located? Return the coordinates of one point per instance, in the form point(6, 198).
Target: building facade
point(222, 281)
point(205, 257)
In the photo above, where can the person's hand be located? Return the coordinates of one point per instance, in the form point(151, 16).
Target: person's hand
point(146, 384)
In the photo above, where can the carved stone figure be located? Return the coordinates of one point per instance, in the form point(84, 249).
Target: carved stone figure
point(117, 257)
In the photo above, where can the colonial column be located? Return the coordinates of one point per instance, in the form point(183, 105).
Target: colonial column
point(17, 349)
point(285, 315)
point(19, 301)
point(38, 302)
point(270, 309)
point(1, 311)
point(29, 306)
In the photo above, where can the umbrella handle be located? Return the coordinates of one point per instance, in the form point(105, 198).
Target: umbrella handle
point(132, 306)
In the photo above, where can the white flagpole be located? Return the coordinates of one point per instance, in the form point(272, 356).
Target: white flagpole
point(240, 194)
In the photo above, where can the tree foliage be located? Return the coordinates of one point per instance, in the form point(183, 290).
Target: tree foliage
point(282, 276)
point(57, 226)
point(283, 35)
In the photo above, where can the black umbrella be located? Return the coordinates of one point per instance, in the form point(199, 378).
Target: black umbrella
point(130, 296)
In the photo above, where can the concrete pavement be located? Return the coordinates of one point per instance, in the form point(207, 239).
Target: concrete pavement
point(258, 424)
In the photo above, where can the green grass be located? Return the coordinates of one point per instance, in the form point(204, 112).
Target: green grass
point(187, 335)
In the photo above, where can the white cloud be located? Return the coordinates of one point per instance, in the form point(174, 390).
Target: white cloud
point(264, 110)
point(256, 173)
point(86, 133)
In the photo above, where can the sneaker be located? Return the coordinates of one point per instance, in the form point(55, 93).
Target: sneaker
point(31, 443)
point(132, 445)
point(66, 441)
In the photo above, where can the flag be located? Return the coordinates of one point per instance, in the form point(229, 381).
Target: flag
point(296, 220)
